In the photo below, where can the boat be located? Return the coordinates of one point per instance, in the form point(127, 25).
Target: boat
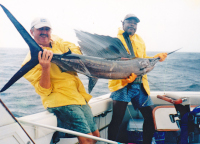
point(39, 128)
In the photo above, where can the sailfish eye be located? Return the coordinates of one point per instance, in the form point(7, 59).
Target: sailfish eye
point(144, 63)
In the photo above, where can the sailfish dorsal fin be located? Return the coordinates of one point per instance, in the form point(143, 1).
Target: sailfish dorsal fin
point(101, 46)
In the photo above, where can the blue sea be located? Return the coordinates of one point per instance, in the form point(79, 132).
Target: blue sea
point(179, 72)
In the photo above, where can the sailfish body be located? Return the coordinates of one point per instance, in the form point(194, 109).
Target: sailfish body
point(103, 68)
point(105, 57)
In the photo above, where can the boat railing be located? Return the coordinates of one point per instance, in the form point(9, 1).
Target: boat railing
point(68, 131)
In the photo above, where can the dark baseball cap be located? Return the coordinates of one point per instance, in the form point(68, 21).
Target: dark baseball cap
point(131, 16)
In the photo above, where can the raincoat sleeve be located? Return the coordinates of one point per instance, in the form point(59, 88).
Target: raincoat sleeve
point(34, 75)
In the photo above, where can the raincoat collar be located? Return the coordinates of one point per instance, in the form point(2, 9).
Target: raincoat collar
point(121, 31)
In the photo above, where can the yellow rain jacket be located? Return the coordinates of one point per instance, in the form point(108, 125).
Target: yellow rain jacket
point(66, 88)
point(139, 49)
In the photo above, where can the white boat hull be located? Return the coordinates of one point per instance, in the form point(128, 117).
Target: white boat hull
point(102, 110)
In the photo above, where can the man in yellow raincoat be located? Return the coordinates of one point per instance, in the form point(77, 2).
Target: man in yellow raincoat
point(133, 89)
point(62, 93)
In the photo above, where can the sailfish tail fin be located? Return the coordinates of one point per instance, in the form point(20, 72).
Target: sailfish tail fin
point(33, 46)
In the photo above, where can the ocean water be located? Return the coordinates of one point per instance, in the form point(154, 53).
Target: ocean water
point(179, 72)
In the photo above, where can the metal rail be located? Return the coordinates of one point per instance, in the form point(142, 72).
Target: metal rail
point(69, 132)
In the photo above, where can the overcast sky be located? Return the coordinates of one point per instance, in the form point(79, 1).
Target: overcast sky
point(165, 25)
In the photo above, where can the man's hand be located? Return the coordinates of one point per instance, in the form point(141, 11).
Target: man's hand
point(162, 56)
point(131, 78)
point(45, 58)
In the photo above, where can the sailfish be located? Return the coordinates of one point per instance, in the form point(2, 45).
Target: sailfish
point(104, 57)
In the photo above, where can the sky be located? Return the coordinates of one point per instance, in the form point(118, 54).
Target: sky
point(165, 25)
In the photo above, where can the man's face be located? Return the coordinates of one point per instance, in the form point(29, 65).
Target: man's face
point(130, 26)
point(42, 36)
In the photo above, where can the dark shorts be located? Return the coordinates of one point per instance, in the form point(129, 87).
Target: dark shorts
point(134, 93)
point(78, 118)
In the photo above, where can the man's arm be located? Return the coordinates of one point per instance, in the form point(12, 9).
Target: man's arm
point(45, 61)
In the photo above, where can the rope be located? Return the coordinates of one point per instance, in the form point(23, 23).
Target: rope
point(165, 76)
point(132, 118)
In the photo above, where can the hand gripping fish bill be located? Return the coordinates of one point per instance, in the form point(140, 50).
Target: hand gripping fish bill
point(105, 57)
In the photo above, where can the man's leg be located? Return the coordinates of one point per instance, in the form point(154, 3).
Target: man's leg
point(96, 133)
point(119, 109)
point(77, 118)
point(91, 124)
point(83, 140)
point(148, 126)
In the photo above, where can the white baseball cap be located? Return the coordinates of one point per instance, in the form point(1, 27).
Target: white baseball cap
point(40, 22)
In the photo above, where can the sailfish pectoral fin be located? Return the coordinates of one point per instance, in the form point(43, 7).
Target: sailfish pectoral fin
point(28, 66)
point(92, 83)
